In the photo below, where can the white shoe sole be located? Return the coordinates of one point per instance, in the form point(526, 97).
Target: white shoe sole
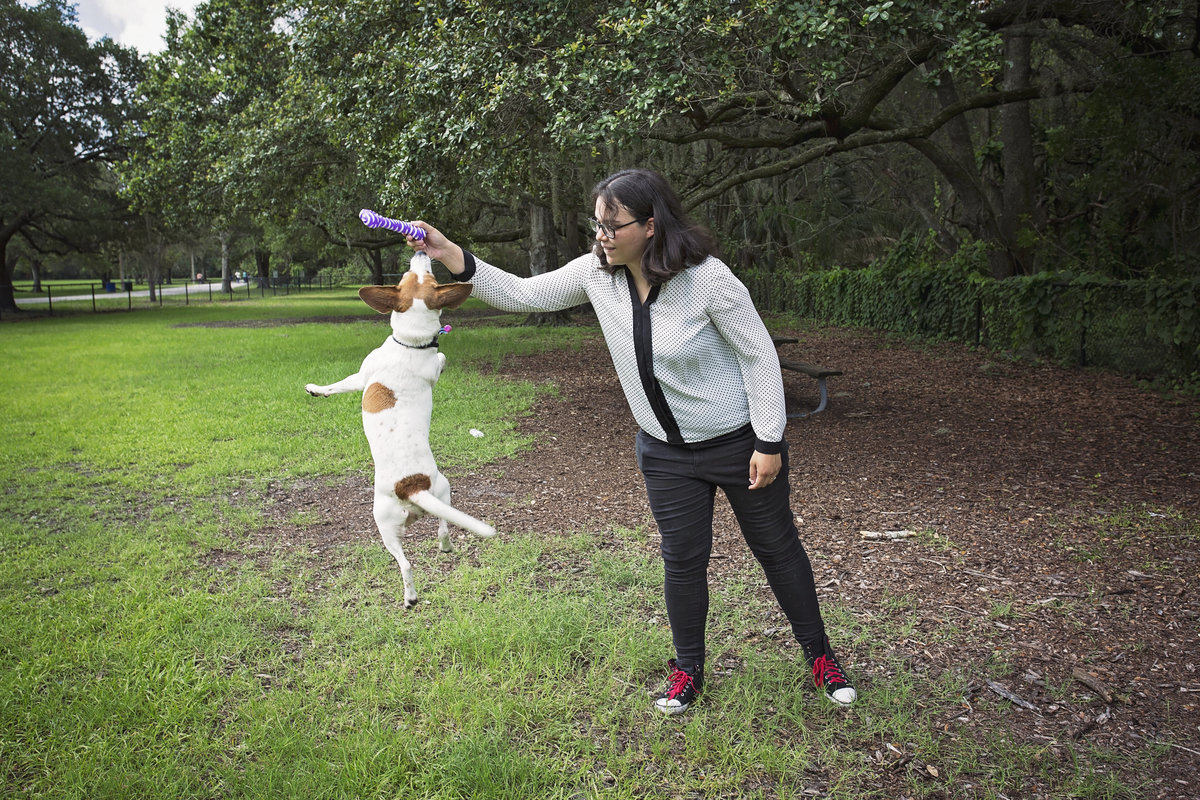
point(844, 696)
point(670, 706)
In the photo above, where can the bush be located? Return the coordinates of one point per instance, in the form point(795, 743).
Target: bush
point(1148, 328)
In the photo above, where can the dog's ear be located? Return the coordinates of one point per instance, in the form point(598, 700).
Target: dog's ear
point(383, 299)
point(451, 295)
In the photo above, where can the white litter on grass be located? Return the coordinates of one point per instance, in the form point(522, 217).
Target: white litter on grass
point(478, 434)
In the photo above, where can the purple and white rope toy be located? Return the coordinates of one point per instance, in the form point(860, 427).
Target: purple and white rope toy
point(373, 220)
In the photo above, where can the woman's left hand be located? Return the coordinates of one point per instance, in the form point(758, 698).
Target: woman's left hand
point(764, 468)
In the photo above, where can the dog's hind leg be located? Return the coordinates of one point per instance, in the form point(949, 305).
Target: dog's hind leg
point(391, 517)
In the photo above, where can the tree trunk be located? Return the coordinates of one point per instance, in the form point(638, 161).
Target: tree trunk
point(571, 237)
point(226, 282)
point(543, 258)
point(958, 166)
point(394, 263)
point(1018, 225)
point(8, 300)
point(262, 266)
point(35, 268)
point(565, 209)
point(262, 262)
point(975, 190)
point(376, 258)
point(978, 216)
point(154, 251)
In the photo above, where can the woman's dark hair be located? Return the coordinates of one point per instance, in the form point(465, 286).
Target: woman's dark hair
point(677, 242)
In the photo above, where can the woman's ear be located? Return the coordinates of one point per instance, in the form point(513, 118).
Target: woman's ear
point(649, 227)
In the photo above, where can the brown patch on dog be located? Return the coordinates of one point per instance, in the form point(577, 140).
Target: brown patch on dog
point(407, 487)
point(411, 287)
point(378, 398)
point(381, 298)
point(450, 296)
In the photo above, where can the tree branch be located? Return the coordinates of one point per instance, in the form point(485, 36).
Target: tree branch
point(883, 134)
point(833, 119)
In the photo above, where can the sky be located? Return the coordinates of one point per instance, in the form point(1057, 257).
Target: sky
point(133, 23)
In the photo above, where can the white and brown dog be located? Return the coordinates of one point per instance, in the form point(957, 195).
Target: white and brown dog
point(397, 380)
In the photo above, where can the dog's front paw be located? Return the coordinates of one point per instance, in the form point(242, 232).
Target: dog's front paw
point(315, 391)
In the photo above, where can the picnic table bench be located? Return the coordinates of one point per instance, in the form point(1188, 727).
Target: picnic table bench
point(811, 370)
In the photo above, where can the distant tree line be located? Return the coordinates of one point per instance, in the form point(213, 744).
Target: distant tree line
point(808, 135)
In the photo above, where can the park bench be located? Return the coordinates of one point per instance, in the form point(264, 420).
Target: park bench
point(811, 370)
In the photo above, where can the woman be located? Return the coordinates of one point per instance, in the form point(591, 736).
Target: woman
point(702, 378)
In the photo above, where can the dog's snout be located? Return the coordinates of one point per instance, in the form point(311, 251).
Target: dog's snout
point(421, 263)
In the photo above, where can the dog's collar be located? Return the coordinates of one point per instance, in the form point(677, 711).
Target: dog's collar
point(441, 332)
point(426, 346)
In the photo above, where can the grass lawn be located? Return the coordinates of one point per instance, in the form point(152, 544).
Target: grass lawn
point(134, 665)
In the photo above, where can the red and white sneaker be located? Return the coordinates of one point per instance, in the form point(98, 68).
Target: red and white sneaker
point(828, 673)
point(683, 688)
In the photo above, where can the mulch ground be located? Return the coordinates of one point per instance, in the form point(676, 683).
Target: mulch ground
point(1050, 513)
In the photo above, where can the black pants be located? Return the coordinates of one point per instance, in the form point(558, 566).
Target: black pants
point(681, 482)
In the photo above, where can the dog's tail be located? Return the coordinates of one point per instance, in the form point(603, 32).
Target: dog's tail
point(415, 489)
point(432, 505)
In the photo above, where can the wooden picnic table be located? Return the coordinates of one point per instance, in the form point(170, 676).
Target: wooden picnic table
point(812, 370)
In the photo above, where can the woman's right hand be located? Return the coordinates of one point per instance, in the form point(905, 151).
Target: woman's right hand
point(438, 247)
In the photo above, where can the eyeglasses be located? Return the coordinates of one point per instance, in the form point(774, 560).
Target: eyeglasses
point(610, 231)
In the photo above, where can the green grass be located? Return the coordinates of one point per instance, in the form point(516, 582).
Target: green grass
point(147, 651)
point(145, 402)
